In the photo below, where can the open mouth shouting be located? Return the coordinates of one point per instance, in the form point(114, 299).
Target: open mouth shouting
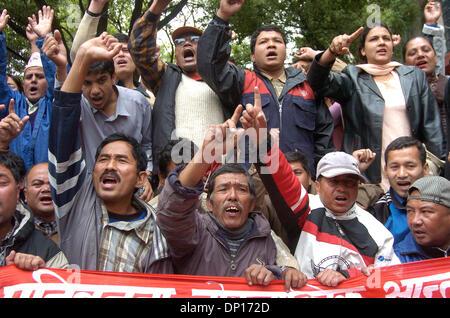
point(188, 54)
point(46, 199)
point(97, 101)
point(403, 185)
point(272, 55)
point(233, 208)
point(109, 179)
point(341, 199)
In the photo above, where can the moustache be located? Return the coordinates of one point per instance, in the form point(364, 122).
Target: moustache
point(232, 203)
point(110, 173)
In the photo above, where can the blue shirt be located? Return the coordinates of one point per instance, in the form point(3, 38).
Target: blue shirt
point(397, 223)
point(32, 143)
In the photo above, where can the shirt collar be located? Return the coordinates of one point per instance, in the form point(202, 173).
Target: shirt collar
point(143, 227)
point(397, 199)
point(282, 78)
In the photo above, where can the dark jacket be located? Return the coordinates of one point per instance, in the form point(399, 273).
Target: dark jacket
point(409, 251)
point(447, 111)
point(304, 126)
point(363, 107)
point(29, 240)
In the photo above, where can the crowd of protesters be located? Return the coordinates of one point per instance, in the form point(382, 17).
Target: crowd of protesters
point(320, 170)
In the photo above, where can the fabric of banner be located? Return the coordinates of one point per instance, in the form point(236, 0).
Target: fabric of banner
point(425, 279)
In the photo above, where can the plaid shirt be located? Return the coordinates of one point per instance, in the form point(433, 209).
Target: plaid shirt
point(145, 53)
point(124, 245)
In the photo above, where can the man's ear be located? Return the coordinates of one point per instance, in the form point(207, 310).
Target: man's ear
point(142, 175)
point(252, 206)
point(317, 186)
point(426, 169)
point(18, 193)
point(209, 204)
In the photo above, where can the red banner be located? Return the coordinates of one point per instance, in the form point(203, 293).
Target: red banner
point(426, 279)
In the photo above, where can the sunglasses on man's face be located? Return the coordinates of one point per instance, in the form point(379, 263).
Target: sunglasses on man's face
point(192, 39)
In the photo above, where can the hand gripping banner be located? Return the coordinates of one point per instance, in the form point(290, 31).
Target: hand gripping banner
point(425, 279)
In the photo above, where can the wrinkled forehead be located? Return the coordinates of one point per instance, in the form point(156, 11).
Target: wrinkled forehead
point(34, 70)
point(231, 179)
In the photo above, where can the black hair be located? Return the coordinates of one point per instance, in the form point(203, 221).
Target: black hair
point(18, 82)
point(426, 38)
point(406, 142)
point(13, 163)
point(264, 28)
point(295, 156)
point(362, 40)
point(102, 67)
point(122, 38)
point(230, 168)
point(166, 156)
point(136, 149)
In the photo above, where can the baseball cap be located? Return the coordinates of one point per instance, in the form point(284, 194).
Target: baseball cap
point(338, 163)
point(35, 60)
point(434, 189)
point(185, 30)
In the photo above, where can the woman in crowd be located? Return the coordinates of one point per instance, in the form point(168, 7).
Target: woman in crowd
point(419, 51)
point(381, 99)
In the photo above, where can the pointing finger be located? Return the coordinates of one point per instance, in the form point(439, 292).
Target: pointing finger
point(12, 109)
point(355, 34)
point(236, 115)
point(258, 106)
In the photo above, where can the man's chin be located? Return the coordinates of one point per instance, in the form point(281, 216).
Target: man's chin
point(189, 68)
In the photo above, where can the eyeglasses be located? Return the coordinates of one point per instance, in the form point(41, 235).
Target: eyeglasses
point(192, 39)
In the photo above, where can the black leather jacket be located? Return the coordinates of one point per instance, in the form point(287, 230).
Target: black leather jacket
point(363, 107)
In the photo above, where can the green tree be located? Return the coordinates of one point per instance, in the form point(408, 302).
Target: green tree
point(306, 22)
point(118, 17)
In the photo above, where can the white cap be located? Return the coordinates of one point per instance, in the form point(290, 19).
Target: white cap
point(35, 60)
point(338, 163)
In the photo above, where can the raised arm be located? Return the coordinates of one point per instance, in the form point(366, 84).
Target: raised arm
point(432, 12)
point(6, 93)
point(290, 199)
point(37, 30)
point(213, 54)
point(88, 25)
point(66, 161)
point(143, 48)
point(55, 50)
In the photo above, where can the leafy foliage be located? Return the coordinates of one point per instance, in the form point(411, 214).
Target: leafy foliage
point(306, 22)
